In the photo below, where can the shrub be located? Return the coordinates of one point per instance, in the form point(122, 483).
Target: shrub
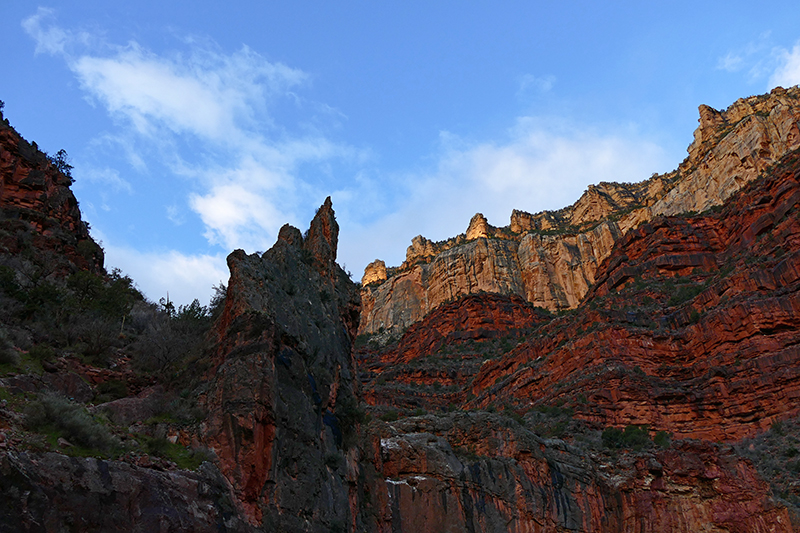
point(349, 415)
point(185, 458)
point(633, 437)
point(42, 352)
point(217, 303)
point(334, 460)
point(389, 416)
point(111, 390)
point(662, 439)
point(8, 355)
point(684, 294)
point(53, 412)
point(61, 162)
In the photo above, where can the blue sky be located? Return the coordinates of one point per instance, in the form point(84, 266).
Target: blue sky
point(200, 127)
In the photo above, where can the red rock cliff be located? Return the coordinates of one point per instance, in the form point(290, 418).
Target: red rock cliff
point(35, 198)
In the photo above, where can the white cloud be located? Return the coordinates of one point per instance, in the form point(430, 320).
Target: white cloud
point(183, 276)
point(207, 93)
point(762, 59)
point(788, 71)
point(175, 215)
point(236, 217)
point(206, 116)
point(732, 62)
point(248, 180)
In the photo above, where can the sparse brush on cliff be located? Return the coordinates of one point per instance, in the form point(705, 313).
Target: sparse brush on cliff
point(61, 162)
point(170, 336)
point(632, 437)
point(54, 413)
point(776, 456)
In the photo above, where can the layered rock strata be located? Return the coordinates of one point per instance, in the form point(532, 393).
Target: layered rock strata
point(477, 472)
point(35, 199)
point(550, 258)
point(692, 327)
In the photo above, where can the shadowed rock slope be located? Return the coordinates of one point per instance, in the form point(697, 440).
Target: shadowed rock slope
point(281, 399)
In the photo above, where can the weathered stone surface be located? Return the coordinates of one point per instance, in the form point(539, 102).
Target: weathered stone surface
point(435, 384)
point(52, 492)
point(731, 148)
point(719, 363)
point(374, 273)
point(558, 271)
point(550, 258)
point(126, 411)
point(478, 227)
point(281, 396)
point(688, 324)
point(34, 195)
point(474, 472)
point(68, 384)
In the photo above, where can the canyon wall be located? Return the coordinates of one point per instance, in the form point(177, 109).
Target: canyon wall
point(550, 258)
point(489, 413)
point(691, 327)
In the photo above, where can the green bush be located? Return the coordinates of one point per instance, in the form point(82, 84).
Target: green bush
point(334, 460)
point(684, 294)
point(185, 458)
point(632, 438)
point(662, 439)
point(350, 416)
point(389, 416)
point(111, 390)
point(51, 412)
point(42, 352)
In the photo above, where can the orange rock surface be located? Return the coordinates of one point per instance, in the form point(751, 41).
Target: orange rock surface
point(550, 258)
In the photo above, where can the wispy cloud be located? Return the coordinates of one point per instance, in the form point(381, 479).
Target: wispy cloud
point(183, 276)
point(788, 71)
point(762, 60)
point(103, 176)
point(731, 62)
point(540, 84)
point(207, 117)
point(51, 39)
point(207, 93)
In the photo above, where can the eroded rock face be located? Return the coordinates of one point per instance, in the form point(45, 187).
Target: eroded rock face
point(374, 273)
point(52, 492)
point(441, 380)
point(283, 390)
point(550, 258)
point(475, 472)
point(692, 325)
point(35, 196)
